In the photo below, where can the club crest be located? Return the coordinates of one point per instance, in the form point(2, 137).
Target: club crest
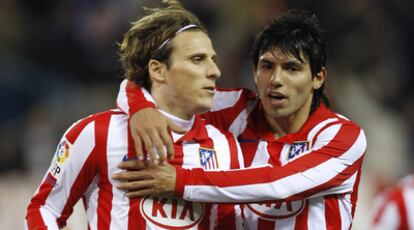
point(208, 158)
point(298, 148)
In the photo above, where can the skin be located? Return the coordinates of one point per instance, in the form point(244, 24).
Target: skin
point(187, 86)
point(184, 88)
point(286, 89)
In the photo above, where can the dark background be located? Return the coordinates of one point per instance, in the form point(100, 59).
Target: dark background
point(58, 63)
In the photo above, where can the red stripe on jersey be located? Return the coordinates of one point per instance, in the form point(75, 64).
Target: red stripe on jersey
point(34, 218)
point(105, 187)
point(274, 149)
point(337, 180)
point(396, 196)
point(399, 200)
point(80, 185)
point(178, 155)
point(249, 151)
point(380, 212)
point(89, 169)
point(135, 98)
point(268, 174)
point(323, 129)
point(136, 220)
point(265, 224)
point(354, 194)
point(301, 222)
point(74, 132)
point(225, 213)
point(234, 159)
point(332, 212)
point(226, 216)
point(224, 118)
point(206, 142)
point(206, 218)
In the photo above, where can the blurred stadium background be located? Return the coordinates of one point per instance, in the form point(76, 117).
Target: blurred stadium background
point(58, 63)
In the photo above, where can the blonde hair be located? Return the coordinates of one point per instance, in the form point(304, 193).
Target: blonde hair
point(148, 39)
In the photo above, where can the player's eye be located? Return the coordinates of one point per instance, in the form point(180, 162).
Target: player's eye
point(197, 59)
point(292, 67)
point(265, 66)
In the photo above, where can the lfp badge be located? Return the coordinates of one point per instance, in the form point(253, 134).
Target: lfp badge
point(208, 158)
point(61, 155)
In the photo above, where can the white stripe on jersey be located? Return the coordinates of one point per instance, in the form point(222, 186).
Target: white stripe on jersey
point(82, 147)
point(408, 193)
point(240, 123)
point(148, 96)
point(390, 218)
point(225, 99)
point(117, 148)
point(48, 217)
point(285, 224)
point(327, 134)
point(122, 99)
point(191, 157)
point(213, 216)
point(345, 210)
point(338, 189)
point(261, 157)
point(283, 187)
point(318, 127)
point(91, 200)
point(316, 214)
point(223, 151)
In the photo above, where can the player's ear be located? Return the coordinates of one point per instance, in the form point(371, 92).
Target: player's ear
point(156, 70)
point(319, 78)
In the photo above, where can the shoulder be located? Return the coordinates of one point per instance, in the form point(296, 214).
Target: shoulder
point(94, 124)
point(329, 117)
point(333, 129)
point(230, 97)
point(237, 92)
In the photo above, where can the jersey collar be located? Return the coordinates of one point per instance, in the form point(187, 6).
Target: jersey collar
point(259, 125)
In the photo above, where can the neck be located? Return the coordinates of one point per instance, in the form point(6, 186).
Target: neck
point(183, 124)
point(171, 106)
point(292, 123)
point(286, 125)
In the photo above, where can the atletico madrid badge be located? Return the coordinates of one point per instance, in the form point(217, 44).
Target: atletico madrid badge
point(298, 148)
point(208, 158)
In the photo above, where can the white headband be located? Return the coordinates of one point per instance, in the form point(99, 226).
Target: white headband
point(176, 33)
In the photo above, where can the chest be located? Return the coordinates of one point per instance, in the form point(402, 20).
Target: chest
point(210, 153)
point(260, 151)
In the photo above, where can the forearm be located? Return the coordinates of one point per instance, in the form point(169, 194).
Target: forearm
point(253, 185)
point(41, 217)
point(132, 98)
point(317, 173)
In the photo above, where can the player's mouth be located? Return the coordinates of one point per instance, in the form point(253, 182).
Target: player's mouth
point(210, 89)
point(277, 98)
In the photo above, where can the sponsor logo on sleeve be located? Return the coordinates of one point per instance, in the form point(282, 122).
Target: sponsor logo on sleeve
point(61, 156)
point(171, 213)
point(277, 210)
point(208, 158)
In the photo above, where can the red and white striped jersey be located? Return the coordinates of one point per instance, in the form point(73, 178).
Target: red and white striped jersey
point(312, 174)
point(88, 155)
point(395, 207)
